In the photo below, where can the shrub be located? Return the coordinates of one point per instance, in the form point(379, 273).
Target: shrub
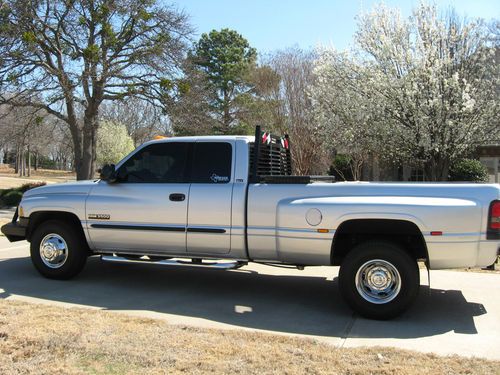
point(12, 198)
point(341, 168)
point(468, 170)
point(30, 185)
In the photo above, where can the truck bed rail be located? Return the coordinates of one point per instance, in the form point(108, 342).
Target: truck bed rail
point(295, 179)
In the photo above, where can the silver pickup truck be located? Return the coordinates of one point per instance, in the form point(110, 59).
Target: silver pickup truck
point(224, 201)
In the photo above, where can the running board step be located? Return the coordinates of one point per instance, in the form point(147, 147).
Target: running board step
point(172, 262)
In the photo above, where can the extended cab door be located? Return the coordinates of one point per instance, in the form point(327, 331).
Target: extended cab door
point(210, 198)
point(145, 210)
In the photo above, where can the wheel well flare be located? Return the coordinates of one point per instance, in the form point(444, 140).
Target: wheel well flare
point(36, 218)
point(353, 232)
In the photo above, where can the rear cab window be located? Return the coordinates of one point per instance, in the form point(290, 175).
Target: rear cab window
point(212, 162)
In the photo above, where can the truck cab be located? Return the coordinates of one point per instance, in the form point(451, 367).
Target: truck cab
point(172, 197)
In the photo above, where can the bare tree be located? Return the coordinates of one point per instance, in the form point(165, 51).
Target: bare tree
point(60, 150)
point(142, 119)
point(78, 54)
point(293, 111)
point(25, 132)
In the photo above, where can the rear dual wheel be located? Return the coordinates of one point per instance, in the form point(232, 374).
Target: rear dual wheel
point(379, 279)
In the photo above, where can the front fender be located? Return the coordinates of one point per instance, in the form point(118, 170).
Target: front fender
point(71, 203)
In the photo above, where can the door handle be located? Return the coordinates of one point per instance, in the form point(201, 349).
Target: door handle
point(177, 197)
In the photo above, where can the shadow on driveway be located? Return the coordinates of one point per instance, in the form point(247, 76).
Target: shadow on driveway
point(283, 303)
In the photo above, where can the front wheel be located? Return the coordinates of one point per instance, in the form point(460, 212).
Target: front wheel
point(379, 280)
point(58, 250)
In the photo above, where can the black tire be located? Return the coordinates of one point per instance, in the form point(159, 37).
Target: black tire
point(77, 250)
point(376, 256)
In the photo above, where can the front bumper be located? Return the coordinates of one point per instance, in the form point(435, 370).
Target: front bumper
point(16, 229)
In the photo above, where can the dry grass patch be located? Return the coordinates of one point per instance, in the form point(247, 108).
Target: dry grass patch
point(8, 170)
point(39, 339)
point(47, 175)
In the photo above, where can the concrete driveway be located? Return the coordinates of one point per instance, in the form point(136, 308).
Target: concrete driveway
point(7, 213)
point(459, 315)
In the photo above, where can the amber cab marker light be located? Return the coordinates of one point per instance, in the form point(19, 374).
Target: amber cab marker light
point(323, 230)
point(436, 233)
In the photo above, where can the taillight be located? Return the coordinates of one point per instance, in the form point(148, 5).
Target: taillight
point(493, 232)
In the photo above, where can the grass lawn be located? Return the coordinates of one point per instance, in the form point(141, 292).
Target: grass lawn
point(9, 179)
point(40, 339)
point(7, 170)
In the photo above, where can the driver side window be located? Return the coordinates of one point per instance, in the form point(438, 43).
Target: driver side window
point(156, 163)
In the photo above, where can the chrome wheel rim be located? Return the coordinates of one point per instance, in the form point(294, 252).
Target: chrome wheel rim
point(378, 281)
point(53, 250)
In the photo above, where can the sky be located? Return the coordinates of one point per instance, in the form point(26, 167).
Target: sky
point(277, 24)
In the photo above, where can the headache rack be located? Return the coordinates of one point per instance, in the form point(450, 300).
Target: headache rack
point(271, 161)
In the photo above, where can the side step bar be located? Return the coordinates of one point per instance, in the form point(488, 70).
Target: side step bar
point(172, 262)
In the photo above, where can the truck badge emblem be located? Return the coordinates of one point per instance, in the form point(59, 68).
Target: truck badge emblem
point(215, 178)
point(99, 216)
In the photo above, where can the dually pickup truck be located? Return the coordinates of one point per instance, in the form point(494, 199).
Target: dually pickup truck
point(224, 201)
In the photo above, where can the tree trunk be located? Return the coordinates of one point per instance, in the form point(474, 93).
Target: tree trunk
point(36, 161)
point(29, 162)
point(82, 170)
point(94, 149)
point(16, 164)
point(84, 136)
point(81, 174)
point(356, 166)
point(376, 168)
point(226, 115)
point(22, 171)
point(86, 169)
point(20, 161)
point(437, 168)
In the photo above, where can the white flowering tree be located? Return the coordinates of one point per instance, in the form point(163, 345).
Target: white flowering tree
point(433, 79)
point(353, 122)
point(113, 142)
